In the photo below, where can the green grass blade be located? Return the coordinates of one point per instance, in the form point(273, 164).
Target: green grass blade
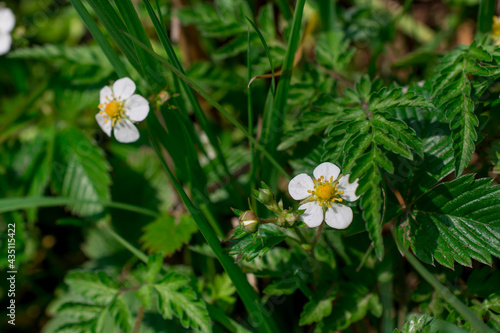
point(100, 39)
point(149, 64)
point(279, 109)
point(214, 103)
point(246, 292)
point(485, 16)
point(13, 204)
point(205, 125)
point(266, 49)
point(250, 113)
point(113, 24)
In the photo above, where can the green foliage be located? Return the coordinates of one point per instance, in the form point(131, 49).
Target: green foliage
point(250, 246)
point(455, 221)
point(374, 89)
point(168, 234)
point(317, 308)
point(452, 92)
point(102, 306)
point(175, 297)
point(367, 132)
point(81, 172)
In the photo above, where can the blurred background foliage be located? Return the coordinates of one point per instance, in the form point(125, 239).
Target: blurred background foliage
point(50, 145)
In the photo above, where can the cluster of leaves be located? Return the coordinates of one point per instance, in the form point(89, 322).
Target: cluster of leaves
point(100, 302)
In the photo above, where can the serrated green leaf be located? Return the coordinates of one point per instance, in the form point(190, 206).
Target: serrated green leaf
point(168, 234)
point(99, 288)
point(82, 171)
point(456, 221)
point(176, 297)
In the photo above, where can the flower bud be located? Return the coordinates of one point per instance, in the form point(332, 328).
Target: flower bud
point(249, 221)
point(265, 196)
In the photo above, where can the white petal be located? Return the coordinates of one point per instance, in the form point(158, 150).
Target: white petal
point(137, 108)
point(125, 131)
point(7, 20)
point(123, 88)
point(348, 188)
point(105, 126)
point(327, 170)
point(338, 216)
point(299, 186)
point(313, 216)
point(5, 43)
point(105, 92)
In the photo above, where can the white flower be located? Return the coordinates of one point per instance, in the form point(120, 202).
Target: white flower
point(7, 22)
point(323, 196)
point(119, 108)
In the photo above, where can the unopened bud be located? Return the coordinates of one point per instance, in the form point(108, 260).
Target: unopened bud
point(265, 196)
point(249, 222)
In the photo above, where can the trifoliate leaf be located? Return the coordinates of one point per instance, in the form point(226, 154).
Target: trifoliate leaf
point(455, 221)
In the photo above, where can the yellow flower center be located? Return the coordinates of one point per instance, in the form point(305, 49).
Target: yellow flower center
point(325, 191)
point(113, 109)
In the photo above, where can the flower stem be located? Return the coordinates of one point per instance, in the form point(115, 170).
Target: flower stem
point(319, 231)
point(460, 307)
point(301, 236)
point(269, 220)
point(138, 319)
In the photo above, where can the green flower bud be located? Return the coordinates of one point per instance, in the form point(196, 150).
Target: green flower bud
point(249, 222)
point(265, 196)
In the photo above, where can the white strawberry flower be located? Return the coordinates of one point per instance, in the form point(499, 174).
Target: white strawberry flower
point(7, 23)
point(323, 197)
point(120, 108)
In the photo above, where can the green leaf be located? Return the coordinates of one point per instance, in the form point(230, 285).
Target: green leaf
point(352, 304)
point(250, 246)
point(319, 307)
point(168, 234)
point(81, 55)
point(82, 171)
point(455, 221)
point(104, 309)
point(280, 287)
point(332, 50)
point(99, 288)
point(176, 297)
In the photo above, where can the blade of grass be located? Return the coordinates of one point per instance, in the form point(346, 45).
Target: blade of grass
point(148, 63)
point(279, 109)
point(268, 54)
point(246, 292)
point(113, 24)
point(13, 204)
point(100, 39)
point(165, 41)
point(485, 16)
point(461, 308)
point(250, 116)
point(214, 103)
